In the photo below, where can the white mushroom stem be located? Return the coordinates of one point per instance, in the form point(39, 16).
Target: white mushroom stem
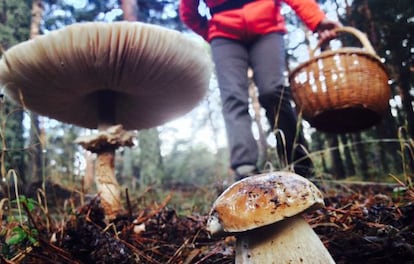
point(289, 241)
point(104, 144)
point(107, 184)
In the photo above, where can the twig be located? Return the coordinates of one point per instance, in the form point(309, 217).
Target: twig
point(128, 204)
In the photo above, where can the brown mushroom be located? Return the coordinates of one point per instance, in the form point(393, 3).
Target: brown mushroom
point(130, 75)
point(264, 213)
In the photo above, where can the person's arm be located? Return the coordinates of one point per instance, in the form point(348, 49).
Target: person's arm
point(314, 18)
point(325, 27)
point(190, 16)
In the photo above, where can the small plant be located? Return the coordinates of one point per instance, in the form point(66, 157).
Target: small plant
point(407, 155)
point(21, 234)
point(22, 200)
point(18, 234)
point(406, 188)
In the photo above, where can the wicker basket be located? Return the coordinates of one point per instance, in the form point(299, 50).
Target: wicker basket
point(344, 90)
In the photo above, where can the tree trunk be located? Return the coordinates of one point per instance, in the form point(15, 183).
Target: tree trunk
point(130, 9)
point(11, 118)
point(361, 156)
point(37, 13)
point(337, 164)
point(130, 13)
point(387, 129)
point(152, 169)
point(407, 98)
point(13, 143)
point(36, 170)
point(37, 137)
point(349, 163)
point(318, 144)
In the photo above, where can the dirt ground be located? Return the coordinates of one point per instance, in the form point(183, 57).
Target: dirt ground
point(361, 223)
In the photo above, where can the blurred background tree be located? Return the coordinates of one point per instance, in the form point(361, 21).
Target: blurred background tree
point(14, 28)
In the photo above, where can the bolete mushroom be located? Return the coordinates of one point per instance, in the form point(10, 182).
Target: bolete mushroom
point(264, 213)
point(110, 77)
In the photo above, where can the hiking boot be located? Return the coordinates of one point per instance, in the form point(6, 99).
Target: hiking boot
point(305, 168)
point(304, 171)
point(245, 171)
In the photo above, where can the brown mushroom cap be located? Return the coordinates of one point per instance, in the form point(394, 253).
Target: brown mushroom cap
point(263, 199)
point(141, 75)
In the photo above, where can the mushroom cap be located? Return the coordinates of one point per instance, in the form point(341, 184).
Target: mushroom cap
point(148, 74)
point(261, 200)
point(111, 138)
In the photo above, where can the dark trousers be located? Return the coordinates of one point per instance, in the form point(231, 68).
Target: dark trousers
point(266, 56)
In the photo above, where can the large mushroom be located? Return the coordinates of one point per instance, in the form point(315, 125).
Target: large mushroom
point(264, 213)
point(112, 77)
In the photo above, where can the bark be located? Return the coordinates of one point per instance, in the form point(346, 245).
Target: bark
point(361, 156)
point(37, 12)
point(130, 9)
point(37, 145)
point(151, 165)
point(349, 163)
point(337, 164)
point(407, 98)
point(318, 144)
point(387, 129)
point(37, 137)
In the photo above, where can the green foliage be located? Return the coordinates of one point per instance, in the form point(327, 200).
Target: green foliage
point(12, 144)
point(14, 28)
point(14, 22)
point(30, 203)
point(15, 236)
point(20, 235)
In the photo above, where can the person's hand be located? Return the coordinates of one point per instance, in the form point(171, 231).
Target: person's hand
point(325, 29)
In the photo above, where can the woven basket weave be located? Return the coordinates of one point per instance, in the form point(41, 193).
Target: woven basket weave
point(344, 90)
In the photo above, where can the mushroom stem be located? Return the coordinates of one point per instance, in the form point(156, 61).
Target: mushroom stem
point(106, 109)
point(104, 144)
point(106, 182)
point(289, 241)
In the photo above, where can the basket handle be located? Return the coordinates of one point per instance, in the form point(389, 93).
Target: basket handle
point(358, 34)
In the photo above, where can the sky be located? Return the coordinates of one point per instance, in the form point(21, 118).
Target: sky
point(77, 3)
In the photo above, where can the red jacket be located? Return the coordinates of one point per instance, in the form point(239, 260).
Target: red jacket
point(255, 18)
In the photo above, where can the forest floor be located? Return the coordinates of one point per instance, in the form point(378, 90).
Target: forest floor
point(361, 223)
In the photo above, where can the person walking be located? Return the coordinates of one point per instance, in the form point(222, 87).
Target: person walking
point(250, 33)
